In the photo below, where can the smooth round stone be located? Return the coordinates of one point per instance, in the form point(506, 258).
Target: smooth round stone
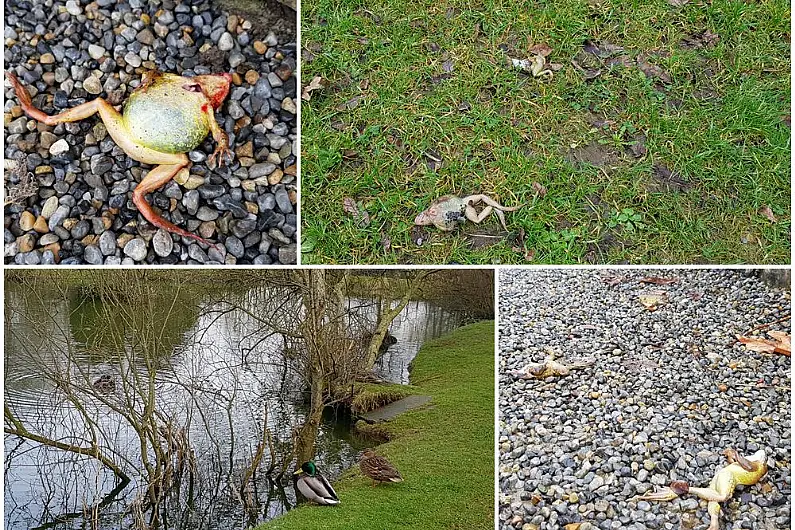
point(135, 249)
point(93, 255)
point(162, 243)
point(59, 147)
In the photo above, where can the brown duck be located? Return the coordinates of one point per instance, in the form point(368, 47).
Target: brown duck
point(378, 468)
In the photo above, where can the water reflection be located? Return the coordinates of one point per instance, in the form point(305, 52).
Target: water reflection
point(219, 375)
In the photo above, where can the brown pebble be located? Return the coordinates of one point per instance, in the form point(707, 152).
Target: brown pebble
point(47, 58)
point(123, 239)
point(252, 207)
point(25, 243)
point(260, 47)
point(231, 23)
point(275, 177)
point(252, 77)
point(247, 149)
point(293, 195)
point(90, 239)
point(207, 229)
point(236, 79)
point(16, 111)
point(56, 250)
point(26, 221)
point(291, 170)
point(40, 225)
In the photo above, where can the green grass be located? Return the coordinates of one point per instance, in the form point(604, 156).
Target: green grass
point(368, 396)
point(445, 451)
point(718, 124)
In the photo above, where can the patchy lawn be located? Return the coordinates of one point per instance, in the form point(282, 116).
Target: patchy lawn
point(663, 137)
point(445, 451)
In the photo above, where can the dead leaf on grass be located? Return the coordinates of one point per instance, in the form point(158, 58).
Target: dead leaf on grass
point(766, 212)
point(612, 281)
point(540, 189)
point(386, 242)
point(678, 3)
point(601, 48)
point(356, 210)
point(447, 66)
point(638, 147)
point(657, 280)
point(652, 71)
point(540, 49)
point(780, 343)
point(315, 84)
point(351, 103)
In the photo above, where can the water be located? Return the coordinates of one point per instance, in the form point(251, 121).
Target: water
point(218, 377)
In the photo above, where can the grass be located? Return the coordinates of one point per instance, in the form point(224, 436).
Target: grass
point(369, 396)
point(444, 451)
point(720, 124)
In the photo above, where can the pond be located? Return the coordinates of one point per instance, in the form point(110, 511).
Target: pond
point(219, 378)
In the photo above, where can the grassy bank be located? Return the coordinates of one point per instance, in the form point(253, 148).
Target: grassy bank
point(664, 136)
point(444, 451)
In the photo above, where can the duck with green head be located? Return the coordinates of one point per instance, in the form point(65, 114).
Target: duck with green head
point(314, 486)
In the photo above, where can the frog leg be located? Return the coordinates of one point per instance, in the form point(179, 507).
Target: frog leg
point(77, 113)
point(153, 180)
point(491, 206)
point(733, 457)
point(222, 151)
point(713, 508)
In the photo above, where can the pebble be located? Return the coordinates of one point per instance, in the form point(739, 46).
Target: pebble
point(162, 243)
point(135, 249)
point(86, 181)
point(659, 416)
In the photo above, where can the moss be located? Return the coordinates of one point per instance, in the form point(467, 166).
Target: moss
point(370, 396)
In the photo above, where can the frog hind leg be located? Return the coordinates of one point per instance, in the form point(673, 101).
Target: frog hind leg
point(713, 507)
point(99, 105)
point(156, 178)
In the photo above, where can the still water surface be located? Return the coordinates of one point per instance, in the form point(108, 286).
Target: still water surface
point(221, 376)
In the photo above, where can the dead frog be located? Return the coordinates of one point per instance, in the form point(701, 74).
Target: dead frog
point(448, 211)
point(164, 118)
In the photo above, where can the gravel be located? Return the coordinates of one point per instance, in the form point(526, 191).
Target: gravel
point(74, 185)
point(669, 391)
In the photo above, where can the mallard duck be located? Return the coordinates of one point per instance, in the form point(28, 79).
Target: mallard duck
point(314, 486)
point(105, 384)
point(378, 468)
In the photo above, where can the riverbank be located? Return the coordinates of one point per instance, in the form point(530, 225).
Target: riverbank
point(443, 450)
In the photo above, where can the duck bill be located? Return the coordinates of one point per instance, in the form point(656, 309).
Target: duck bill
point(665, 494)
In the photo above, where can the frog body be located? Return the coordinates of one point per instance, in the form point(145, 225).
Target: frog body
point(164, 118)
point(449, 211)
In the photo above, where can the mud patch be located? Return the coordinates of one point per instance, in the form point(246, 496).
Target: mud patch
point(599, 251)
point(278, 16)
point(666, 181)
point(593, 154)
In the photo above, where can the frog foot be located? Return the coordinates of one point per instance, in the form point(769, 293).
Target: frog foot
point(222, 155)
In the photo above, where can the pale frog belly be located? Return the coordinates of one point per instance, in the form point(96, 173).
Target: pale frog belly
point(168, 128)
